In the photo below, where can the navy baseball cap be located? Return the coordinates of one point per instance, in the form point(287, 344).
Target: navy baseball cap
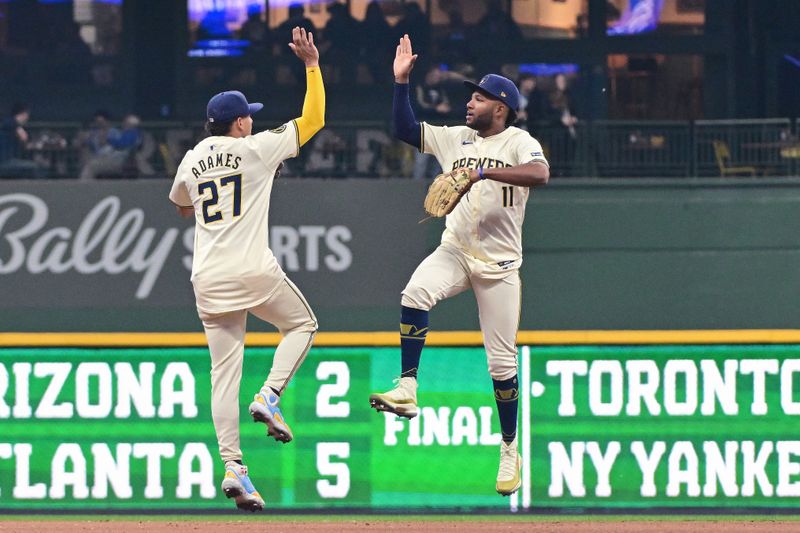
point(498, 87)
point(229, 105)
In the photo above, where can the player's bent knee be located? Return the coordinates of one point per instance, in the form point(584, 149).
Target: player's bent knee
point(417, 298)
point(311, 326)
point(502, 368)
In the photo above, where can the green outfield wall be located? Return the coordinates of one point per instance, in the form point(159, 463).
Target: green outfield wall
point(610, 254)
point(601, 427)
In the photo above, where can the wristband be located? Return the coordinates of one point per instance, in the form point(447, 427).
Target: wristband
point(480, 173)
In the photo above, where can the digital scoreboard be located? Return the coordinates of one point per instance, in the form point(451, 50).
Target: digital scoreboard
point(600, 427)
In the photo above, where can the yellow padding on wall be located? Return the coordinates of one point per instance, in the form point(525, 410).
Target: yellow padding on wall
point(436, 338)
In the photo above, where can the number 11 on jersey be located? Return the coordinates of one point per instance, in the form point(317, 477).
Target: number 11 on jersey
point(508, 196)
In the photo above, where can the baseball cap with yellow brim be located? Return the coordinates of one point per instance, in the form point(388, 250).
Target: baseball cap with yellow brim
point(228, 106)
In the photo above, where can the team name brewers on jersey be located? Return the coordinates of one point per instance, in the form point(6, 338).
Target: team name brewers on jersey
point(487, 222)
point(474, 162)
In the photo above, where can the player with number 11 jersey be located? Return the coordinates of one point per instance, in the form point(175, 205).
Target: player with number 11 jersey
point(481, 247)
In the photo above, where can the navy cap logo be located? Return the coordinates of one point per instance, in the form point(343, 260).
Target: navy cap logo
point(500, 88)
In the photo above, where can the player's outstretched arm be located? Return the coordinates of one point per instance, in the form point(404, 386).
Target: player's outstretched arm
point(404, 124)
point(533, 174)
point(313, 118)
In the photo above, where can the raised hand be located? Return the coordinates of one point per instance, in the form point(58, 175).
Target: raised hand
point(303, 46)
point(404, 59)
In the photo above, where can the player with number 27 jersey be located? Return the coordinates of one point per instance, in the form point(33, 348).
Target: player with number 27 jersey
point(225, 183)
point(228, 180)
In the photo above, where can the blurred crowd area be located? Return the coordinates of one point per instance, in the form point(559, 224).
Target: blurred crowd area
point(358, 48)
point(124, 147)
point(458, 38)
point(95, 89)
point(116, 54)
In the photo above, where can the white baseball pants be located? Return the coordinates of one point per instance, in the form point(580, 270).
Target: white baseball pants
point(287, 310)
point(449, 271)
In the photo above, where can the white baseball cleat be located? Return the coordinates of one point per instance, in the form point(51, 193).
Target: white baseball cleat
point(508, 475)
point(237, 485)
point(266, 408)
point(401, 400)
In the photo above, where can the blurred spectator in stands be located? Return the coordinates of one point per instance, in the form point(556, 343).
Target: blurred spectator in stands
point(328, 156)
point(342, 42)
point(454, 47)
point(118, 156)
point(15, 160)
point(283, 36)
point(432, 100)
point(15, 136)
point(297, 17)
point(564, 141)
point(415, 23)
point(498, 36)
point(526, 83)
point(432, 105)
point(94, 139)
point(582, 19)
point(214, 25)
point(72, 56)
point(534, 105)
point(256, 31)
point(562, 105)
point(377, 43)
point(497, 22)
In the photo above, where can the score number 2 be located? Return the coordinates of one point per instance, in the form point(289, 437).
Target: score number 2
point(339, 487)
point(326, 408)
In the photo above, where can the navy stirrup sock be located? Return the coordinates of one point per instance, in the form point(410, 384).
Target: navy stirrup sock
point(413, 329)
point(506, 394)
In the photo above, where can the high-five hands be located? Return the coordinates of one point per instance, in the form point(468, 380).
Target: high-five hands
point(404, 59)
point(303, 47)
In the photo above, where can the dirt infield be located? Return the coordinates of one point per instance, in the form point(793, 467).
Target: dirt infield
point(535, 525)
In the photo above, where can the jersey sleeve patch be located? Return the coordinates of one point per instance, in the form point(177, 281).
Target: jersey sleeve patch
point(530, 150)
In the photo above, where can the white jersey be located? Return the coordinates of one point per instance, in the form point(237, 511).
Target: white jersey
point(487, 222)
point(228, 181)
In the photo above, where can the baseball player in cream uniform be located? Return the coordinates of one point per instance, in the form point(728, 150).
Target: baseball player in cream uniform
point(481, 248)
point(225, 183)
